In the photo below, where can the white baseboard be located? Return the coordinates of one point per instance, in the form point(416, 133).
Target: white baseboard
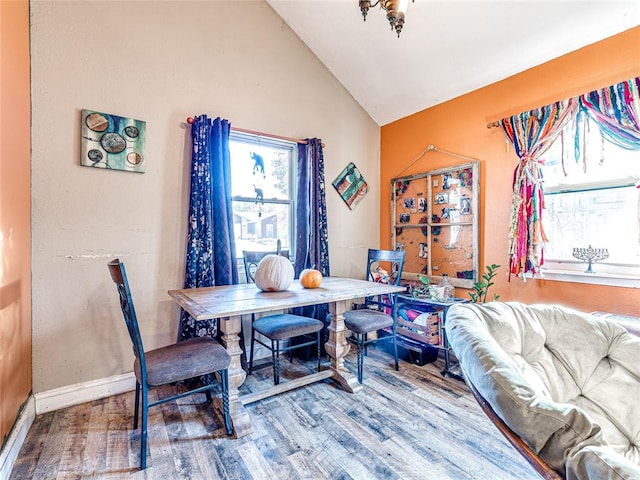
point(18, 433)
point(83, 392)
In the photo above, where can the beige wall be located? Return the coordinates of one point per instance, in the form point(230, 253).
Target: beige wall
point(161, 61)
point(15, 233)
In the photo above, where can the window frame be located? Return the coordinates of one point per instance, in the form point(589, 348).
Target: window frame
point(268, 141)
point(616, 273)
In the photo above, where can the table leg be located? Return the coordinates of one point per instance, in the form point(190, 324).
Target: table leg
point(231, 328)
point(337, 347)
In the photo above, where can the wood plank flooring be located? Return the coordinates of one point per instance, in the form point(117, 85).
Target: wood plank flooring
point(411, 424)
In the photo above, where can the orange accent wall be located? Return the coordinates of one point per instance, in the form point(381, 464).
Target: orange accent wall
point(460, 125)
point(15, 208)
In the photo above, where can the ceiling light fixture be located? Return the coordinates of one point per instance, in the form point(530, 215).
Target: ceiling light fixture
point(395, 9)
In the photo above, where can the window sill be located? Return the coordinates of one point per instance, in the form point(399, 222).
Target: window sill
point(605, 279)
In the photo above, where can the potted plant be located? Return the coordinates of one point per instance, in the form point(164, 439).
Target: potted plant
point(421, 289)
point(481, 288)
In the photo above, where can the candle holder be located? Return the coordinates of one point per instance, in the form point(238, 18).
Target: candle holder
point(590, 255)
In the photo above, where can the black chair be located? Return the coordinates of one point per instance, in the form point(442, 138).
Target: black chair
point(378, 312)
point(279, 327)
point(165, 365)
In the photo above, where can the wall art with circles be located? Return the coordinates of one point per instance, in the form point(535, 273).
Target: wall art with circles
point(112, 142)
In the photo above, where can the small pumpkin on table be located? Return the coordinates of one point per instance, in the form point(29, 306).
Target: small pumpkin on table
point(310, 278)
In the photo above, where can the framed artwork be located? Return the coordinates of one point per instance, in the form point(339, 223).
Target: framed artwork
point(351, 185)
point(440, 236)
point(112, 142)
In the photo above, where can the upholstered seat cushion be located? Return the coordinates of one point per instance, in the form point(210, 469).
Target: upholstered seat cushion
point(366, 320)
point(187, 359)
point(568, 383)
point(285, 325)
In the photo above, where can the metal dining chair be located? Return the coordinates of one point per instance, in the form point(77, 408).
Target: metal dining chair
point(378, 312)
point(279, 327)
point(165, 365)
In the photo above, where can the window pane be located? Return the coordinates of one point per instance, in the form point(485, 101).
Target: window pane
point(602, 218)
point(260, 165)
point(599, 160)
point(581, 206)
point(256, 232)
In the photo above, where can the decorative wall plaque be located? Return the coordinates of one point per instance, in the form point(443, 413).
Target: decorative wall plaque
point(112, 142)
point(351, 185)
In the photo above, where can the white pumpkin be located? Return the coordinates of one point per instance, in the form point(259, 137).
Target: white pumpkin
point(274, 273)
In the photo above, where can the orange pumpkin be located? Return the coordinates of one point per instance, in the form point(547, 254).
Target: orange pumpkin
point(310, 278)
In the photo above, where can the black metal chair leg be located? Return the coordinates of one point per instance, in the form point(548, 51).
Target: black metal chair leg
point(253, 342)
point(275, 355)
point(360, 354)
point(136, 408)
point(318, 349)
point(143, 430)
point(395, 349)
point(224, 383)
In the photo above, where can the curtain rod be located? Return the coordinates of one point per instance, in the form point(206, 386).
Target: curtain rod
point(433, 148)
point(261, 134)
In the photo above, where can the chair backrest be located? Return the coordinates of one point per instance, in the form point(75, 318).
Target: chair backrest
point(119, 277)
point(252, 259)
point(384, 266)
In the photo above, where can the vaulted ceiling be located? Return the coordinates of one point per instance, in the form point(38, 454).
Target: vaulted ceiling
point(447, 48)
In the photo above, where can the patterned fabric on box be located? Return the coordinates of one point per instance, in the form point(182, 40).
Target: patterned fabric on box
point(566, 382)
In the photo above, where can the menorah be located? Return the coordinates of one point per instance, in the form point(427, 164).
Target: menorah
point(590, 255)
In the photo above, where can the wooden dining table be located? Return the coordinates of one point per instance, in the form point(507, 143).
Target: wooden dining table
point(229, 302)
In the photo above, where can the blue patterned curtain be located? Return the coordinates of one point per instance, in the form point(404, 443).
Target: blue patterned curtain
point(211, 256)
point(312, 236)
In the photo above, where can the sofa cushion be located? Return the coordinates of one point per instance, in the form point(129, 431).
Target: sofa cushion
point(566, 382)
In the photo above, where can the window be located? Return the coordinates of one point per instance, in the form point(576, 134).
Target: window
point(592, 202)
point(262, 189)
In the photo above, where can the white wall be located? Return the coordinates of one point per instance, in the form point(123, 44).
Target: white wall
point(161, 61)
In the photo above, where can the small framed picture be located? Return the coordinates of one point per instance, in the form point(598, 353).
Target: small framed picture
point(405, 218)
point(441, 198)
point(410, 203)
point(422, 205)
point(465, 205)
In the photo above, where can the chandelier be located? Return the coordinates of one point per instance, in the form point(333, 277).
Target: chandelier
point(395, 9)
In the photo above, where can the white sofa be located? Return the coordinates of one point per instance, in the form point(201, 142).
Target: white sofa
point(566, 382)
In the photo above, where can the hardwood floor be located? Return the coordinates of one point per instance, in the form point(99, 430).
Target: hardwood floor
point(411, 424)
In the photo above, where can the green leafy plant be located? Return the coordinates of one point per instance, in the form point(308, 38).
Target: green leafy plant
point(422, 288)
point(481, 288)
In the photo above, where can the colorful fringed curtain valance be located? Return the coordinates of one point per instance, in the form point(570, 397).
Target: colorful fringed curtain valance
point(616, 111)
